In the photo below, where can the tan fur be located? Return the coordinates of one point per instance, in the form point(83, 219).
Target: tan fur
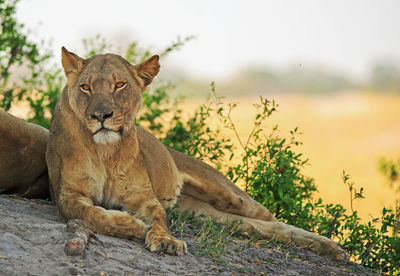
point(121, 178)
point(23, 167)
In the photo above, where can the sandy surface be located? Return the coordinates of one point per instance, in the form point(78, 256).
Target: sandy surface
point(32, 239)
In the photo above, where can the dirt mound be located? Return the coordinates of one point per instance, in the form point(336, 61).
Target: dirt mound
point(33, 236)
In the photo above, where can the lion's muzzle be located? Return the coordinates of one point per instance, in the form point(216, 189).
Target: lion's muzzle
point(102, 111)
point(102, 123)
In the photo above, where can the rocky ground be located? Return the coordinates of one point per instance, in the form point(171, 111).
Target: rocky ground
point(33, 236)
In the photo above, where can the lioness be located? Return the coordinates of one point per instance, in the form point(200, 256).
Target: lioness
point(119, 178)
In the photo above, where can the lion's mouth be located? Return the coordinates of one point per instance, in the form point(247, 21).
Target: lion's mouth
point(104, 129)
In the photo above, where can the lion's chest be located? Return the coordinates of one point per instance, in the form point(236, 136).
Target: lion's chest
point(115, 182)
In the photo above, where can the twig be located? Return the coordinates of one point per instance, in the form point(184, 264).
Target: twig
point(333, 224)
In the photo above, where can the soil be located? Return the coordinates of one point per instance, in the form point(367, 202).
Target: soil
point(33, 236)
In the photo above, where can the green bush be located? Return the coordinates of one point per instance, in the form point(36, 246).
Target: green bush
point(269, 165)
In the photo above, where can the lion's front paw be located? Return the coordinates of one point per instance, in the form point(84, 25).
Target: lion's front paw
point(161, 241)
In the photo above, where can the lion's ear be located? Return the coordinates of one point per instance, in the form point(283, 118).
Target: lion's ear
point(148, 70)
point(71, 63)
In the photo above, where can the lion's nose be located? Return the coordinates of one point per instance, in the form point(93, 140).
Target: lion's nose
point(101, 115)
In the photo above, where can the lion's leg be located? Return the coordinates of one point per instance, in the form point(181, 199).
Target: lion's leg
point(39, 188)
point(272, 230)
point(109, 222)
point(205, 183)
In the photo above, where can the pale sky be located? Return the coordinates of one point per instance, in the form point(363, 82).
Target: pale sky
point(345, 35)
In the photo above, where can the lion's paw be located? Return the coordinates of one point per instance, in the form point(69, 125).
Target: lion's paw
point(327, 247)
point(161, 241)
point(336, 251)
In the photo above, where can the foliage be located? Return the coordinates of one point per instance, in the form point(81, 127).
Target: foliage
point(352, 190)
point(15, 50)
point(269, 165)
point(195, 137)
point(391, 170)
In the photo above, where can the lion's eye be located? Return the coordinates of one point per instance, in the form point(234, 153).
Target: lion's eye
point(119, 85)
point(85, 87)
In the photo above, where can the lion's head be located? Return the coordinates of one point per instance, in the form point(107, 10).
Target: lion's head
point(105, 92)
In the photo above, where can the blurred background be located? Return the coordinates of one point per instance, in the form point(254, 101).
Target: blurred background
point(332, 66)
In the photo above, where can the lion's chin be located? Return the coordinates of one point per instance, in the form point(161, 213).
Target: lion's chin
point(105, 137)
